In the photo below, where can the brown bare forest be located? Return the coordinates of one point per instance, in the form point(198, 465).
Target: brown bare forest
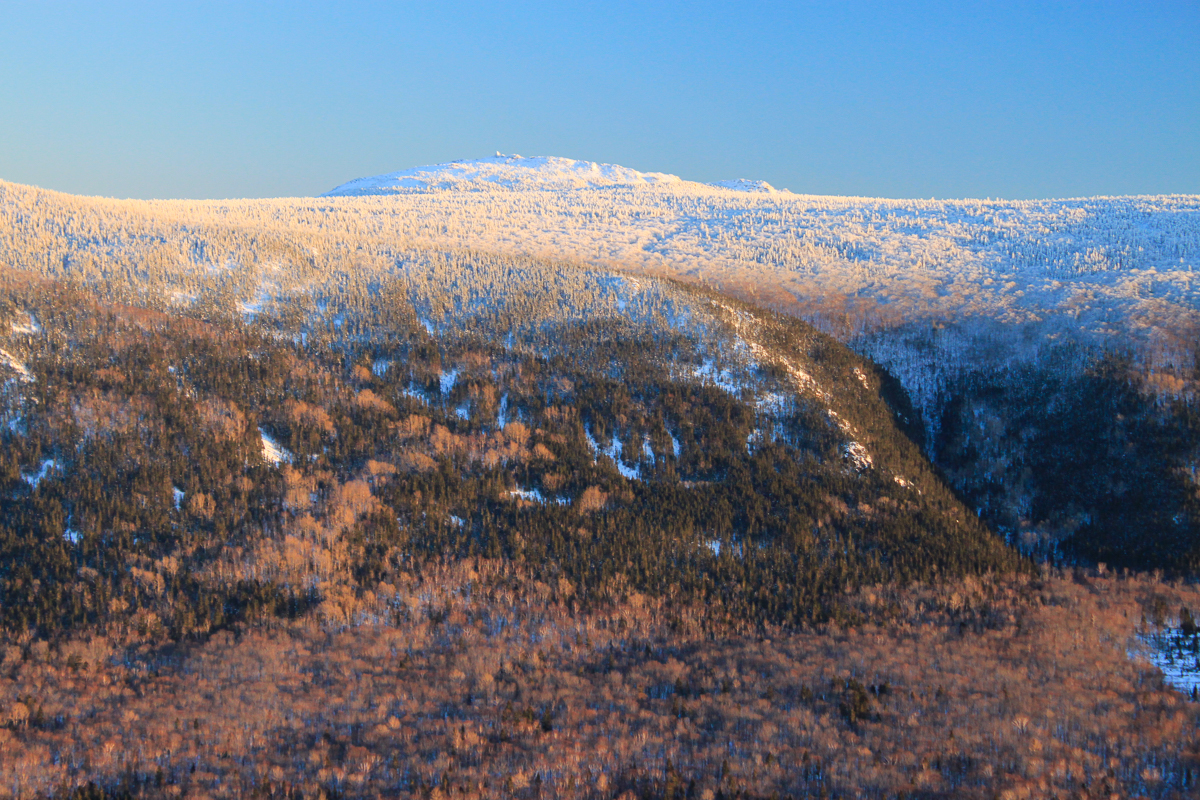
point(472, 680)
point(239, 562)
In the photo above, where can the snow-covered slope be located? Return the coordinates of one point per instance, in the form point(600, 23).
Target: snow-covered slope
point(503, 173)
point(1096, 264)
point(884, 275)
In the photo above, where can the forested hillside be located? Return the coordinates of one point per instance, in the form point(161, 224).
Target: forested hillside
point(196, 473)
point(316, 498)
point(343, 556)
point(964, 302)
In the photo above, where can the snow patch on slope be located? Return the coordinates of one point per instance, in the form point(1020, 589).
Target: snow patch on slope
point(447, 379)
point(535, 496)
point(613, 452)
point(722, 378)
point(13, 363)
point(503, 173)
point(35, 478)
point(272, 451)
point(531, 495)
point(857, 455)
point(26, 326)
point(1171, 652)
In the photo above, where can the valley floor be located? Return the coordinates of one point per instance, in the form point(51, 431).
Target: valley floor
point(469, 681)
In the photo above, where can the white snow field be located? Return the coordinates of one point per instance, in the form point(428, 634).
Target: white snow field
point(852, 264)
point(931, 289)
point(926, 287)
point(1103, 263)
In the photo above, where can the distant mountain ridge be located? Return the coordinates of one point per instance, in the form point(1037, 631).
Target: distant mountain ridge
point(746, 185)
point(503, 173)
point(519, 173)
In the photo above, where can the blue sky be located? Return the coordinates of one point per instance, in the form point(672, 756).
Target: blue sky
point(258, 99)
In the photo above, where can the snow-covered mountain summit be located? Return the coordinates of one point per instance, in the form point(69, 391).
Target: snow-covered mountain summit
point(504, 173)
point(746, 185)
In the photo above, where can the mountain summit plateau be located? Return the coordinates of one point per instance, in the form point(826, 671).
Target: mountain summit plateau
point(519, 173)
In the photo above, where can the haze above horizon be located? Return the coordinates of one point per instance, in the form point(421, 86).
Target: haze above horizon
point(1024, 101)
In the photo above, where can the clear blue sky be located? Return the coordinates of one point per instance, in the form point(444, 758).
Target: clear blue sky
point(255, 99)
